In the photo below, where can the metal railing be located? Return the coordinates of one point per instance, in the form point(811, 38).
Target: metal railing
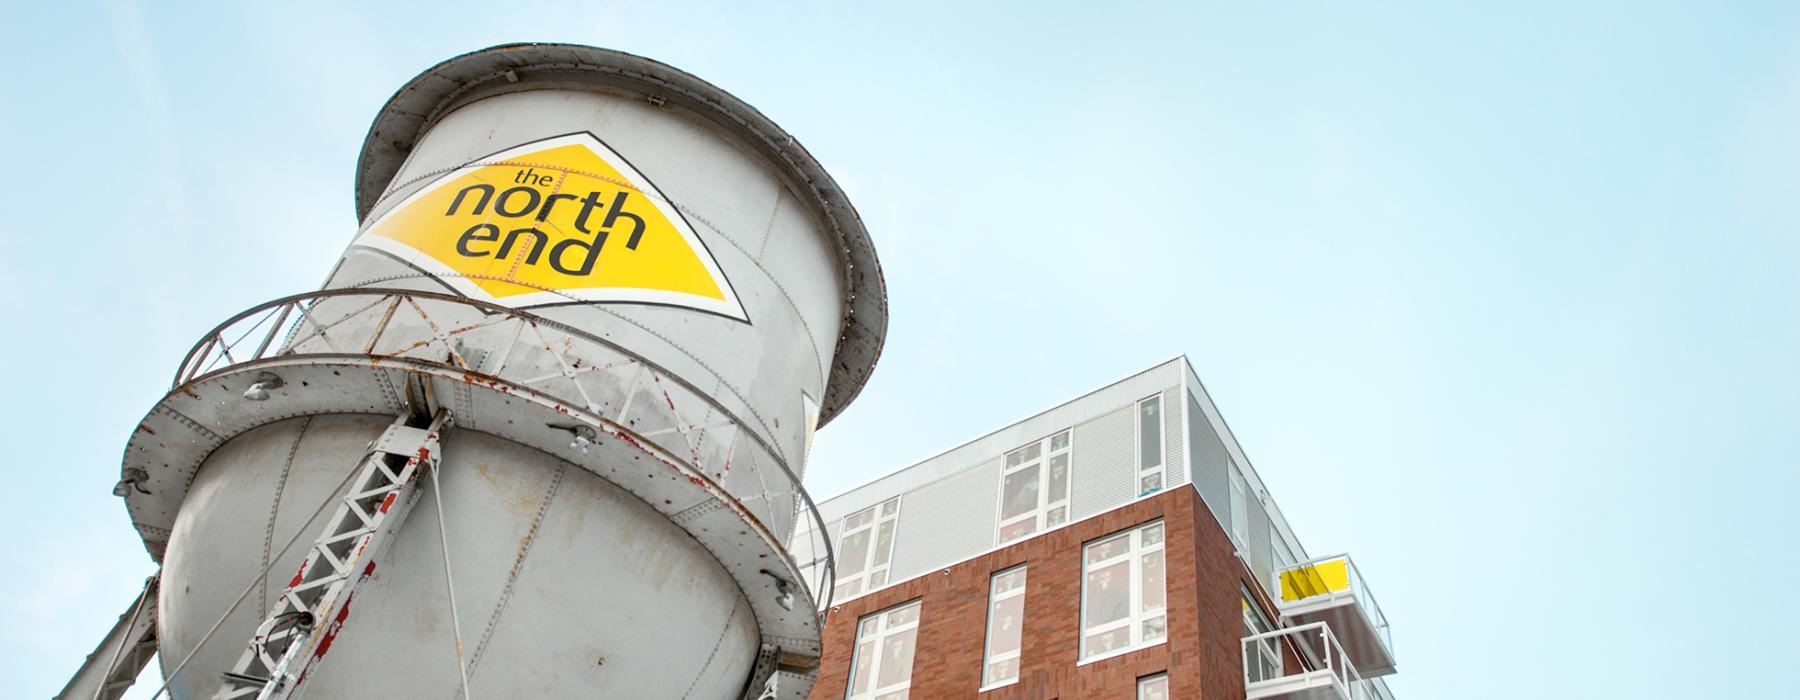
point(1309, 582)
point(517, 351)
point(1319, 649)
point(1376, 689)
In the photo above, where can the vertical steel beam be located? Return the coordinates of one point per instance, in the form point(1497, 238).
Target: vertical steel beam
point(115, 665)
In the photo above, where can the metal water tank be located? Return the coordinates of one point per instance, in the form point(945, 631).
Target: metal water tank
point(569, 369)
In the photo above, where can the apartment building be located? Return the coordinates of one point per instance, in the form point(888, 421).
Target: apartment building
point(1119, 545)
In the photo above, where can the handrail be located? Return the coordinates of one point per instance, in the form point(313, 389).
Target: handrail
point(1359, 588)
point(255, 331)
point(217, 334)
point(1331, 659)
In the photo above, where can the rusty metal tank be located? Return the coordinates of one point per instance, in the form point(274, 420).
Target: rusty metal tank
point(635, 298)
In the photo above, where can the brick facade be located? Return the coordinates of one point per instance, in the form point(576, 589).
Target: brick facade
point(1201, 655)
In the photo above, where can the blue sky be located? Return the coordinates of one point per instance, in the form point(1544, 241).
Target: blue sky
point(1501, 299)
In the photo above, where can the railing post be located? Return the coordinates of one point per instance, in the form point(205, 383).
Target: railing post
point(274, 328)
point(1244, 646)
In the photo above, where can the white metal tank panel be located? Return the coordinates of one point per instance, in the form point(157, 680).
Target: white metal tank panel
point(607, 304)
point(567, 587)
point(775, 257)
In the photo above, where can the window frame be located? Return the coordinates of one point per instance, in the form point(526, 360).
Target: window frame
point(1039, 515)
point(1144, 682)
point(1255, 622)
point(988, 657)
point(870, 566)
point(1240, 510)
point(1159, 470)
point(1136, 615)
point(880, 634)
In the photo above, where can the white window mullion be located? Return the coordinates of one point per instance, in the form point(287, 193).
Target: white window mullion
point(1132, 546)
point(859, 568)
point(1032, 462)
point(880, 638)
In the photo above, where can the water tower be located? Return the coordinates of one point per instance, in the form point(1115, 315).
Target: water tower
point(541, 432)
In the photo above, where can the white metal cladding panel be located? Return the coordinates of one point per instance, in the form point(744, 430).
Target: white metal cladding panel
point(1102, 402)
point(1104, 475)
point(947, 521)
point(1209, 464)
point(1173, 409)
point(1259, 540)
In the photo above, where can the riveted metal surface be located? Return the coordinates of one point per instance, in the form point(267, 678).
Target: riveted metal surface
point(610, 425)
point(389, 155)
point(685, 454)
point(745, 548)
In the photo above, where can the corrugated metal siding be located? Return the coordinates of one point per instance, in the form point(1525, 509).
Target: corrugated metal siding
point(1209, 464)
point(1102, 402)
point(1173, 473)
point(946, 521)
point(1104, 475)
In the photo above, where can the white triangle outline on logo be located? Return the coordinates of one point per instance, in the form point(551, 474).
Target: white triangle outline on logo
point(729, 307)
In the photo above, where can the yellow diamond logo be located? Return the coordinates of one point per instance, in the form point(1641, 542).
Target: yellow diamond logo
point(558, 221)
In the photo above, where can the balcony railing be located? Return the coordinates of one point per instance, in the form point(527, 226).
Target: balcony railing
point(513, 350)
point(1377, 689)
point(1323, 671)
point(1332, 590)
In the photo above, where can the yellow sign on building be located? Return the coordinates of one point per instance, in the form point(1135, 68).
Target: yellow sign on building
point(556, 221)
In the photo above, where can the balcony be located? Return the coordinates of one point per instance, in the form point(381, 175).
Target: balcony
point(1331, 591)
point(1301, 663)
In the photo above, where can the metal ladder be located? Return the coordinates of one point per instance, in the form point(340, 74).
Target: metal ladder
point(311, 611)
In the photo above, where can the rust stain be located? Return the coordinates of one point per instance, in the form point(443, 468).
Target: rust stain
point(146, 428)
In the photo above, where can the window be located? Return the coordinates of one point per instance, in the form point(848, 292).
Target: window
point(1282, 555)
point(1122, 592)
point(1034, 487)
point(1240, 510)
point(1154, 687)
point(881, 668)
point(1265, 656)
point(1150, 446)
point(1005, 624)
point(866, 549)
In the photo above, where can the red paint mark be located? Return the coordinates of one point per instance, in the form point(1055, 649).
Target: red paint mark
point(425, 454)
point(369, 570)
point(697, 481)
point(298, 575)
point(332, 631)
point(389, 501)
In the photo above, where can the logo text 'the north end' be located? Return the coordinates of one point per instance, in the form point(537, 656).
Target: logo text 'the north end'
point(530, 209)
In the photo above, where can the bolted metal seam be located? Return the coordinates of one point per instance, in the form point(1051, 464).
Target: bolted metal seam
point(275, 504)
point(512, 577)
